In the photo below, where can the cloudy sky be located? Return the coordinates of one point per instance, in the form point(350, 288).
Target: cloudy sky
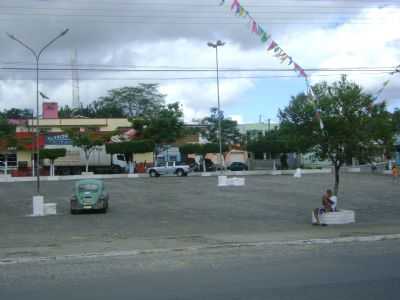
point(125, 42)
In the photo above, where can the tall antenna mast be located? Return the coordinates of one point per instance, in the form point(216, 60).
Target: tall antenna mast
point(76, 103)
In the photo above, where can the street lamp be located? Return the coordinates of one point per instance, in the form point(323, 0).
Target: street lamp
point(37, 58)
point(215, 46)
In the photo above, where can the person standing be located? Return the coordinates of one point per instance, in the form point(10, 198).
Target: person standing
point(395, 173)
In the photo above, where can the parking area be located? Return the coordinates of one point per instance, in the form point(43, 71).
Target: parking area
point(192, 206)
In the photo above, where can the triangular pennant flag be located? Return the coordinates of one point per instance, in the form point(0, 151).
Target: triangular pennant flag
point(290, 61)
point(284, 57)
point(272, 45)
point(297, 67)
point(242, 12)
point(238, 9)
point(318, 117)
point(222, 2)
point(321, 124)
point(254, 27)
point(265, 37)
point(235, 3)
point(386, 83)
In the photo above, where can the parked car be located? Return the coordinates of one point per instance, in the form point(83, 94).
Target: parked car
point(170, 167)
point(89, 195)
point(238, 166)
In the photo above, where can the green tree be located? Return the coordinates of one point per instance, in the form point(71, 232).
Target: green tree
point(230, 133)
point(352, 125)
point(89, 140)
point(165, 127)
point(17, 113)
point(52, 155)
point(143, 100)
point(7, 134)
point(274, 143)
point(129, 149)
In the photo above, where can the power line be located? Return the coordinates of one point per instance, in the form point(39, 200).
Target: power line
point(195, 78)
point(366, 69)
point(216, 3)
point(386, 68)
point(294, 10)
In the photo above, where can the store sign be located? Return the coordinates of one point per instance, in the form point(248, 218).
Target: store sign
point(58, 139)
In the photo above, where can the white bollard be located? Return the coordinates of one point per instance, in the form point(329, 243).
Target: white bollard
point(38, 206)
point(297, 174)
point(222, 180)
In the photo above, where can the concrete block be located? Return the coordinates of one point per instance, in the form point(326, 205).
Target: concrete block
point(87, 173)
point(50, 209)
point(337, 217)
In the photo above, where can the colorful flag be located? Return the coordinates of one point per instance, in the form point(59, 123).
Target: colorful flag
point(242, 12)
point(235, 4)
point(265, 37)
point(272, 45)
point(254, 27)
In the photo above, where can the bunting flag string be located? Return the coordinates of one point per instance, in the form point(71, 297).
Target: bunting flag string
point(265, 37)
point(278, 52)
point(387, 82)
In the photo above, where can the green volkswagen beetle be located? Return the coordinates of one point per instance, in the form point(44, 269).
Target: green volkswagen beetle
point(89, 195)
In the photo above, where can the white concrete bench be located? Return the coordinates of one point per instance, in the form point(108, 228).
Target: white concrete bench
point(234, 181)
point(336, 217)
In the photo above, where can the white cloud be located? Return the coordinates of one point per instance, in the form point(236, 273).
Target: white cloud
point(374, 43)
point(237, 118)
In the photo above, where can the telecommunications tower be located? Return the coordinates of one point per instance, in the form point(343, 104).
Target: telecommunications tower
point(75, 80)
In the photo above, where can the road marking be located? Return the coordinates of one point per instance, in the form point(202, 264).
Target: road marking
point(363, 239)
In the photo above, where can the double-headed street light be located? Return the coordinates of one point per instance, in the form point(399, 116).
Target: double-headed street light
point(37, 58)
point(215, 46)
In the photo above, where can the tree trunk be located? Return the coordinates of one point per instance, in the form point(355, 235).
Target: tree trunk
point(51, 167)
point(87, 156)
point(336, 187)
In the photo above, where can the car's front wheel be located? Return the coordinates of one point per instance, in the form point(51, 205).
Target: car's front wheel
point(180, 173)
point(153, 173)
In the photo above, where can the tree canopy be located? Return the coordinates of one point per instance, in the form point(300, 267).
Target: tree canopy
point(131, 147)
point(52, 154)
point(353, 127)
point(201, 149)
point(230, 133)
point(88, 140)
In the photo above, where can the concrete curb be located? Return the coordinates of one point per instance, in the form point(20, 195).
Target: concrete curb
point(200, 174)
point(233, 245)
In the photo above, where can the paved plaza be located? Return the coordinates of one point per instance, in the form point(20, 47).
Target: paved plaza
point(171, 211)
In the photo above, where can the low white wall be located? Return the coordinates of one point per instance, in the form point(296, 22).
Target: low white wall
point(199, 174)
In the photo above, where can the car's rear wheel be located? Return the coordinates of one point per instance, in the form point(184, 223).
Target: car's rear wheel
point(180, 173)
point(153, 173)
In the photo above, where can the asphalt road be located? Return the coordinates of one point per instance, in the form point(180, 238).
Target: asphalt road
point(336, 271)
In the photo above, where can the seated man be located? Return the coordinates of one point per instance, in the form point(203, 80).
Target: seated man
point(328, 205)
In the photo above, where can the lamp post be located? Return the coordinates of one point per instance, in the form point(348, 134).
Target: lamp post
point(37, 58)
point(215, 46)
